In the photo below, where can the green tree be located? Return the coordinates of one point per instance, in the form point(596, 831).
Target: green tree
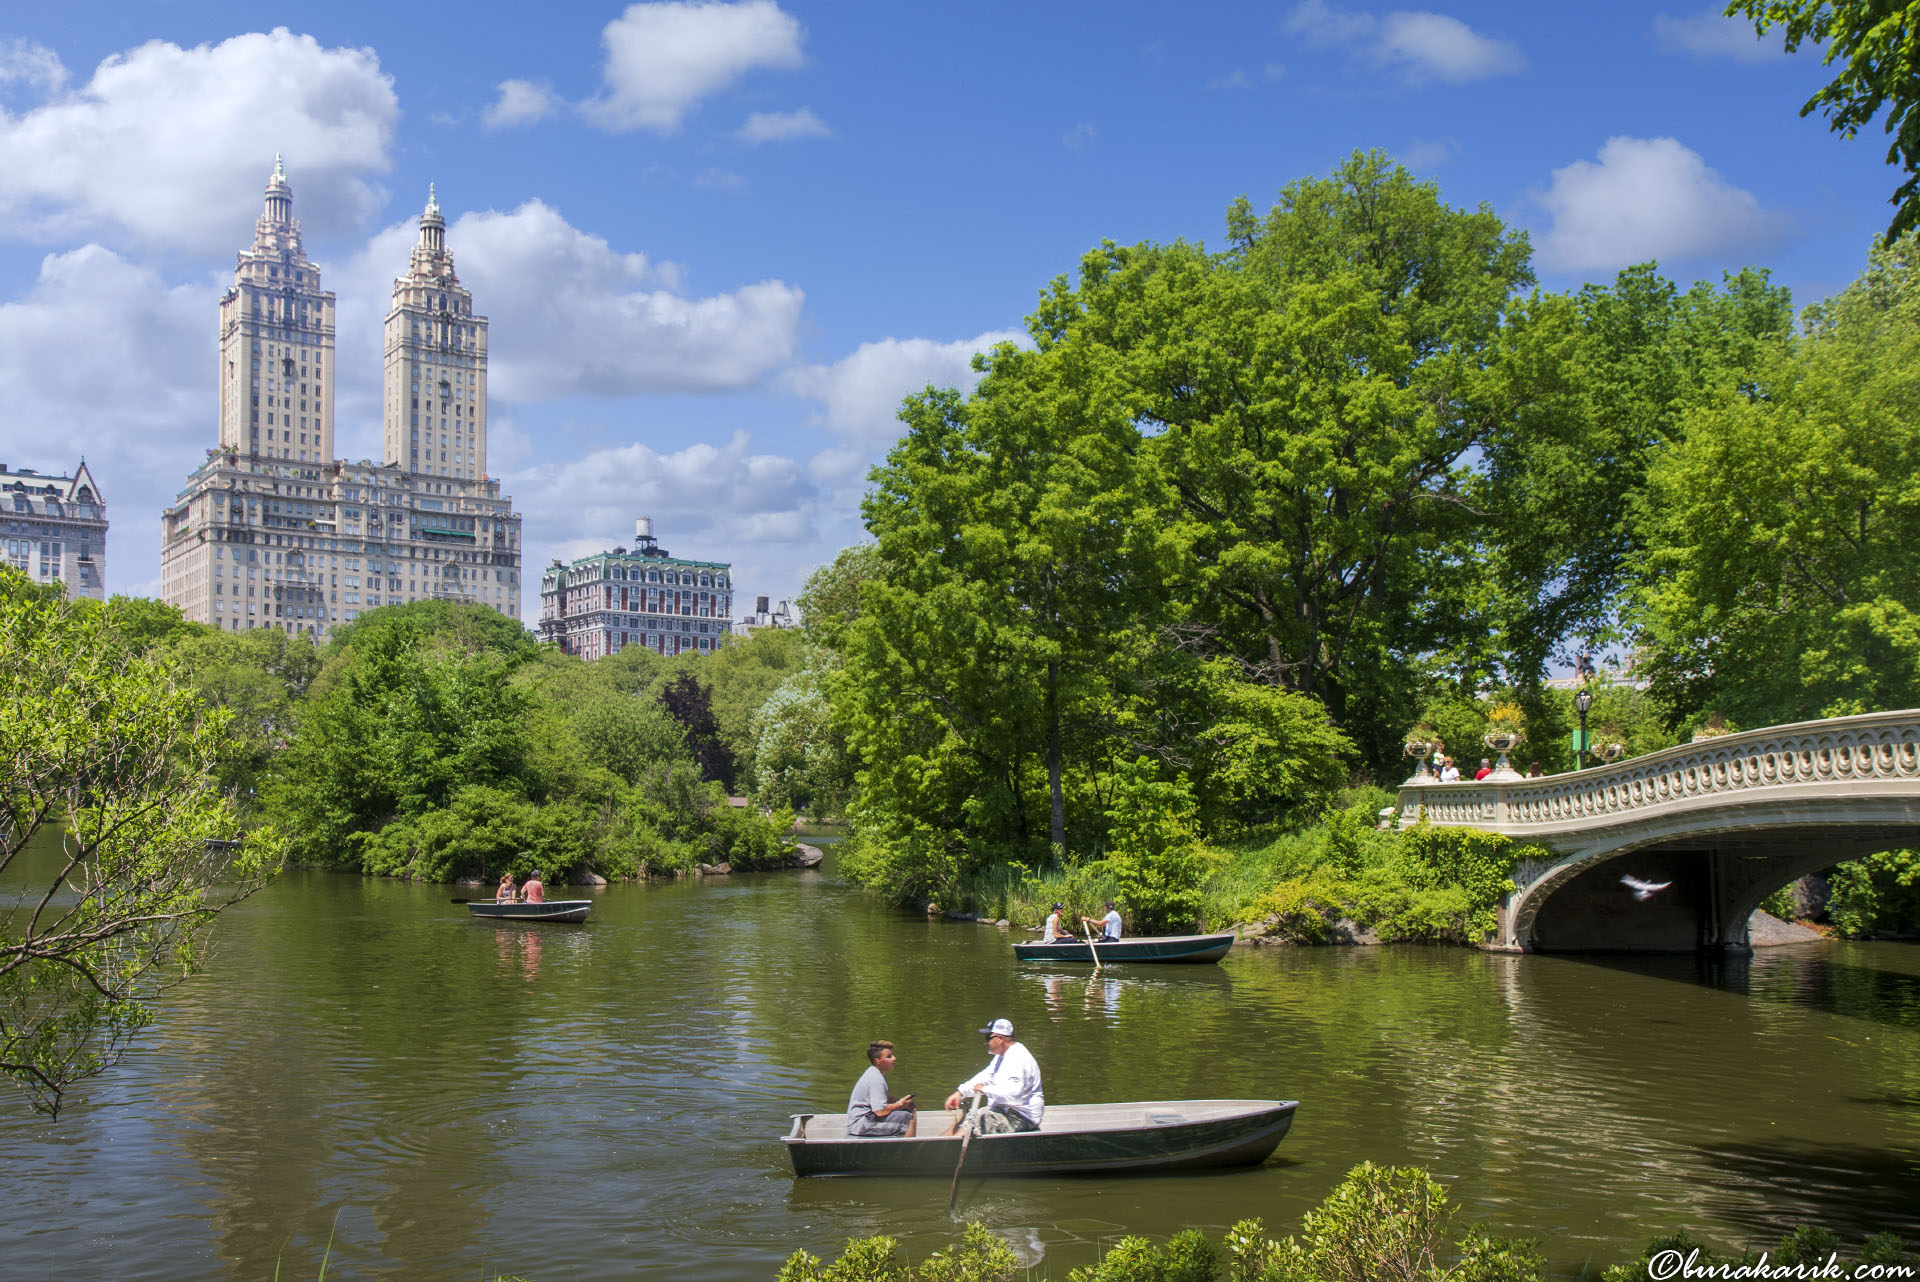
point(113, 753)
point(830, 600)
point(412, 705)
point(1778, 582)
point(1879, 41)
point(1615, 368)
point(800, 762)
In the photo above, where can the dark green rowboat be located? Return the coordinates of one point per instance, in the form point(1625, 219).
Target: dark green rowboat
point(1152, 1135)
point(1154, 948)
point(513, 910)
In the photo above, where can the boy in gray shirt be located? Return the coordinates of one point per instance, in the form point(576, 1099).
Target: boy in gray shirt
point(871, 1110)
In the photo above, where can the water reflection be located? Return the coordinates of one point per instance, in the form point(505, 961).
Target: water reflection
point(577, 1102)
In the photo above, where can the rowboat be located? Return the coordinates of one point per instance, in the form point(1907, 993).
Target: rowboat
point(513, 910)
point(1150, 1135)
point(1155, 948)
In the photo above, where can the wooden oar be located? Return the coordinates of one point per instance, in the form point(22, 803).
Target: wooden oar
point(1090, 947)
point(966, 1138)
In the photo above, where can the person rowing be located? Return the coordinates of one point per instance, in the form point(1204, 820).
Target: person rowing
point(1110, 928)
point(1008, 1088)
point(532, 892)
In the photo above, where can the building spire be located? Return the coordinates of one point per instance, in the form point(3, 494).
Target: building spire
point(433, 202)
point(279, 210)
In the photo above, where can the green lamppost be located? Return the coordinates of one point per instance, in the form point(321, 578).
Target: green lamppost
point(1581, 702)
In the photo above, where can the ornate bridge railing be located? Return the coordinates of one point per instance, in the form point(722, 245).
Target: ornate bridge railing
point(1871, 753)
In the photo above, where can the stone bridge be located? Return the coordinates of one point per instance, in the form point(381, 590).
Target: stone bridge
point(1725, 821)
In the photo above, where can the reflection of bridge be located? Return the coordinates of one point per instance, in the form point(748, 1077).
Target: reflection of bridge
point(1726, 821)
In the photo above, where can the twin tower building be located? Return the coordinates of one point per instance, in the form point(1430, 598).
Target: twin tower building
point(273, 531)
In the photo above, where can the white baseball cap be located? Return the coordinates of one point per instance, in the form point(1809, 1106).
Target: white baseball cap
point(999, 1028)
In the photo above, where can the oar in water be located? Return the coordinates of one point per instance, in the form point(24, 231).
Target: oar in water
point(1090, 947)
point(966, 1138)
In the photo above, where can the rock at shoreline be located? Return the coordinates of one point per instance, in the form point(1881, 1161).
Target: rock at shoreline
point(1764, 931)
point(1003, 923)
point(1349, 931)
point(714, 870)
point(584, 878)
point(808, 856)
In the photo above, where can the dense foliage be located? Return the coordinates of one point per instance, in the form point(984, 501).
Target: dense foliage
point(439, 741)
point(1379, 1223)
point(1172, 576)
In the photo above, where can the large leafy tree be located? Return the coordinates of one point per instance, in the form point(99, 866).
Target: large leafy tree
point(1779, 581)
point(114, 837)
point(1315, 398)
point(412, 705)
point(1615, 369)
point(1877, 43)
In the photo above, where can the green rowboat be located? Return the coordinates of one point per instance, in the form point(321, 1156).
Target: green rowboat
point(513, 910)
point(1145, 948)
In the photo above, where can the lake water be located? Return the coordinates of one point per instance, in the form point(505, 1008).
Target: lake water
point(452, 1098)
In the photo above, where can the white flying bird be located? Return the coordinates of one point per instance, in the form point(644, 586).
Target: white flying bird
point(1644, 890)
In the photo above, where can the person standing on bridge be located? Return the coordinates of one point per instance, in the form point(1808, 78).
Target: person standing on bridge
point(1486, 768)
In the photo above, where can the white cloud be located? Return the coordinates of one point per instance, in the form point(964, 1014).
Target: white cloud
point(1078, 138)
point(1415, 44)
point(572, 316)
point(110, 362)
point(862, 392)
point(521, 102)
point(173, 145)
point(663, 58)
point(781, 126)
point(1235, 79)
point(705, 499)
point(31, 64)
point(1648, 198)
point(1713, 34)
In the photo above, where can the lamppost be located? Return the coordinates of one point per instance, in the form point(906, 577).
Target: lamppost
point(1581, 702)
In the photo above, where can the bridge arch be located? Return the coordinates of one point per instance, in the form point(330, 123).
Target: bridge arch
point(1726, 821)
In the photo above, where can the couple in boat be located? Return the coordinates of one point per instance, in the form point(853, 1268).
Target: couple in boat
point(1110, 929)
point(531, 892)
point(1007, 1092)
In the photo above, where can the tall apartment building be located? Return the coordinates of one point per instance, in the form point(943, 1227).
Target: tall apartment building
point(271, 530)
point(600, 604)
point(56, 528)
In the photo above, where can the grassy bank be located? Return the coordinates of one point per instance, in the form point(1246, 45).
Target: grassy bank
point(1420, 884)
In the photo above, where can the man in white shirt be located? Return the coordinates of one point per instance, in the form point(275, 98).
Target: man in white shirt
point(1008, 1087)
point(1109, 925)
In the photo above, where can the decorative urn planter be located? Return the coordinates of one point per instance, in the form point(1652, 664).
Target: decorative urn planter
point(1611, 752)
point(1503, 742)
point(1420, 750)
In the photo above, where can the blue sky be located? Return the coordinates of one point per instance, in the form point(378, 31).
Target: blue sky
point(718, 242)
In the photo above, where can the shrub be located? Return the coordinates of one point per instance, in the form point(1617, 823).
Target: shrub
point(1877, 895)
